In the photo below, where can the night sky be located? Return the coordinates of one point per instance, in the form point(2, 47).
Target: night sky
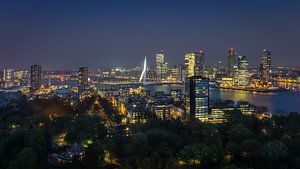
point(66, 34)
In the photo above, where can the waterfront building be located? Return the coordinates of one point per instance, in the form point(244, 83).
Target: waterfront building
point(199, 97)
point(265, 66)
point(242, 73)
point(161, 67)
point(194, 64)
point(217, 116)
point(231, 62)
point(35, 77)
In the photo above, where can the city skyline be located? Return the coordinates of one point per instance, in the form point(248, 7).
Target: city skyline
point(149, 84)
point(68, 35)
point(222, 63)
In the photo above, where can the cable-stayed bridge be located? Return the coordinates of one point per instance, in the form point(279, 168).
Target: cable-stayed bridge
point(142, 80)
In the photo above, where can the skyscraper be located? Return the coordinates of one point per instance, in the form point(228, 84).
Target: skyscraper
point(242, 73)
point(83, 78)
point(35, 77)
point(8, 77)
point(265, 66)
point(161, 67)
point(199, 97)
point(231, 62)
point(175, 73)
point(194, 64)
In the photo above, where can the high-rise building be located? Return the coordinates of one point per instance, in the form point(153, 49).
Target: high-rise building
point(83, 78)
point(231, 62)
point(20, 74)
point(35, 77)
point(199, 97)
point(242, 73)
point(175, 73)
point(8, 75)
point(265, 66)
point(161, 67)
point(194, 64)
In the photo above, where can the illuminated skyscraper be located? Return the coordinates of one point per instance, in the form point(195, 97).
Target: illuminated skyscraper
point(194, 64)
point(161, 67)
point(242, 73)
point(265, 66)
point(175, 73)
point(83, 78)
point(199, 97)
point(7, 75)
point(231, 62)
point(35, 77)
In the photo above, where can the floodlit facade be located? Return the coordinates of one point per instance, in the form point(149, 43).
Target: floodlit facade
point(194, 64)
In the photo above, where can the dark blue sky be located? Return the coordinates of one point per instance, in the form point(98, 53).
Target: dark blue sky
point(65, 34)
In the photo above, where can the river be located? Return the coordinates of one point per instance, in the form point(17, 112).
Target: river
point(276, 102)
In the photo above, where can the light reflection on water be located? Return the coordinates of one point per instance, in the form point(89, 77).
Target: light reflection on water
point(276, 102)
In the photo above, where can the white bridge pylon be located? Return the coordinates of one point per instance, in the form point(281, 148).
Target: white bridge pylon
point(144, 72)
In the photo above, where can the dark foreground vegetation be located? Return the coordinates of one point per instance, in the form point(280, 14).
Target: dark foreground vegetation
point(29, 132)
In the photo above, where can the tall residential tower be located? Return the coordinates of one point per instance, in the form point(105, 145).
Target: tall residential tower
point(265, 66)
point(35, 77)
point(231, 62)
point(83, 78)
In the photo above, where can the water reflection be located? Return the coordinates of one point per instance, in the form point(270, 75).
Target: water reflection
point(277, 102)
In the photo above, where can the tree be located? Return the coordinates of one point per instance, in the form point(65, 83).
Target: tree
point(239, 133)
point(273, 154)
point(86, 128)
point(137, 149)
point(232, 150)
point(192, 153)
point(249, 146)
point(94, 156)
point(274, 150)
point(137, 146)
point(25, 159)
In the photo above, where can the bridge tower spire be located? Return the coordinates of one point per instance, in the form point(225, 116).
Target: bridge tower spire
point(144, 72)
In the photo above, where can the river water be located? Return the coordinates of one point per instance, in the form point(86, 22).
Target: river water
point(276, 102)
